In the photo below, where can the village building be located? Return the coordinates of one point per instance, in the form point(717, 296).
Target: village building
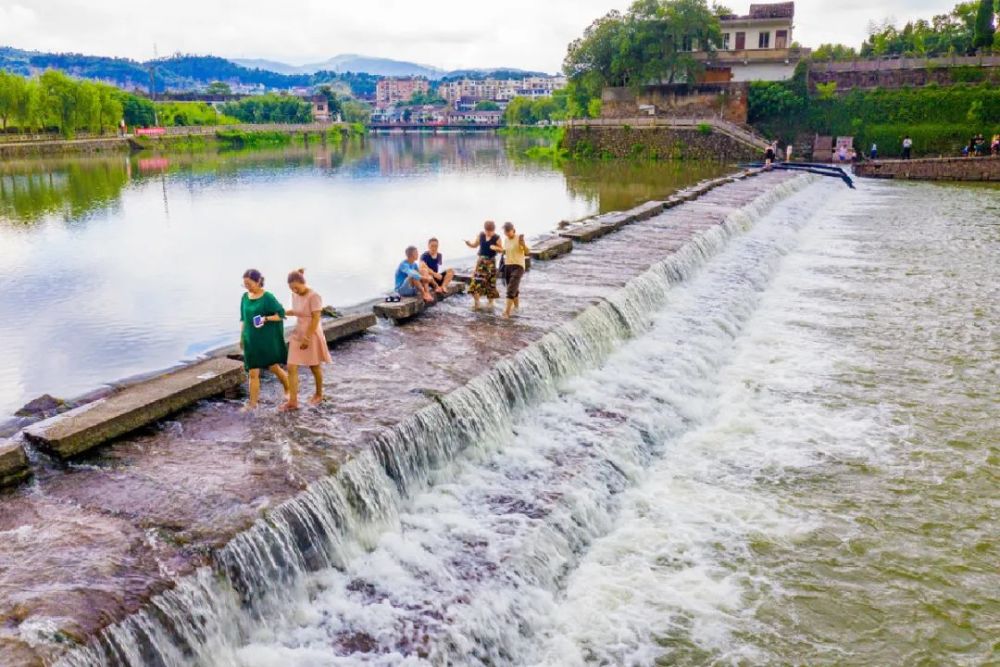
point(757, 46)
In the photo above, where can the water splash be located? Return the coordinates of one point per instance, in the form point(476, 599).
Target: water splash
point(256, 579)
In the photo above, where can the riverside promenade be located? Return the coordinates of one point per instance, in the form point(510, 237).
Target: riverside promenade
point(86, 544)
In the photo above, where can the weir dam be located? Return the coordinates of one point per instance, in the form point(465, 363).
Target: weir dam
point(502, 448)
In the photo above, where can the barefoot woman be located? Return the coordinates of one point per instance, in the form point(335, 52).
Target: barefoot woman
point(263, 336)
point(308, 346)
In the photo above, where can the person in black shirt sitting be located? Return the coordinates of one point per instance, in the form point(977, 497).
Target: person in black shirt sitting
point(433, 261)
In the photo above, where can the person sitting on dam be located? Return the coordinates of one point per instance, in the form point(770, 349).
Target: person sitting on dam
point(432, 260)
point(410, 281)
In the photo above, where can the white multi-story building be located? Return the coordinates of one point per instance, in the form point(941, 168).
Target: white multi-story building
point(758, 45)
point(499, 90)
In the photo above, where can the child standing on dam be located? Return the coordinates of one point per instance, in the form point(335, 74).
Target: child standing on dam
point(308, 345)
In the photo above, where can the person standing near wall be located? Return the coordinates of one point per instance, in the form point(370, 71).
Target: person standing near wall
point(874, 151)
point(907, 147)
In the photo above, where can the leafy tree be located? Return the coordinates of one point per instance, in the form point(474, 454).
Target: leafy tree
point(270, 109)
point(652, 42)
point(9, 84)
point(984, 31)
point(354, 111)
point(333, 103)
point(835, 52)
point(137, 111)
point(219, 88)
point(944, 34)
point(487, 105)
point(60, 97)
point(28, 111)
point(773, 99)
point(421, 98)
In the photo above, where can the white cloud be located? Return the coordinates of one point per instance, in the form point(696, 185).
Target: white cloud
point(531, 34)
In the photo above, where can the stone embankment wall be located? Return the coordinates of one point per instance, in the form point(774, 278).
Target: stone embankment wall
point(933, 169)
point(659, 143)
point(905, 72)
point(727, 101)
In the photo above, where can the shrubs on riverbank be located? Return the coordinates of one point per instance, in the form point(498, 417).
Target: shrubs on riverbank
point(940, 120)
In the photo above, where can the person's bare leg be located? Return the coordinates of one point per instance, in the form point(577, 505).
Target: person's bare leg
point(449, 275)
point(317, 372)
point(293, 390)
point(475, 302)
point(282, 378)
point(254, 390)
point(508, 308)
point(517, 303)
point(422, 290)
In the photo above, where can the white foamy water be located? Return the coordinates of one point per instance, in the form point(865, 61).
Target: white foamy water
point(589, 531)
point(787, 465)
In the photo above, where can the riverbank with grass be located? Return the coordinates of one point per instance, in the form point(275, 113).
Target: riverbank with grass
point(186, 139)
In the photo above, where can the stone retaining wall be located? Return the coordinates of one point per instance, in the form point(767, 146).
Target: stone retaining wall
point(933, 169)
point(661, 143)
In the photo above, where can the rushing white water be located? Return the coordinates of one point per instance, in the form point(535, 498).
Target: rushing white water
point(764, 451)
point(411, 553)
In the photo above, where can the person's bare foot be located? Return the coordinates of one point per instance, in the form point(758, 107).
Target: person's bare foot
point(247, 409)
point(289, 407)
point(315, 400)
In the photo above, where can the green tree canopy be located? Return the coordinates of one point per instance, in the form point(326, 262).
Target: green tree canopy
point(944, 34)
point(219, 88)
point(270, 109)
point(985, 29)
point(651, 43)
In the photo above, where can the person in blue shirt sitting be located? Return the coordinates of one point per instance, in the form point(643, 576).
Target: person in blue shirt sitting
point(409, 279)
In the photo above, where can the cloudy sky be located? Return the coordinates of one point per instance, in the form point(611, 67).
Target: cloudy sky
point(531, 34)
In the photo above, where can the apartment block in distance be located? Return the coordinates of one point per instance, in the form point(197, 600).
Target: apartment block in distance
point(392, 91)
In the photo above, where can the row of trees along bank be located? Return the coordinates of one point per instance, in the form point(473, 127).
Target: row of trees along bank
point(55, 102)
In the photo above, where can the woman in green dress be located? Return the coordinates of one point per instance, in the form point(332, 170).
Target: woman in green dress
point(263, 334)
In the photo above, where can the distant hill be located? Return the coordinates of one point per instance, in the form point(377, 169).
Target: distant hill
point(349, 63)
point(382, 67)
point(177, 73)
point(188, 72)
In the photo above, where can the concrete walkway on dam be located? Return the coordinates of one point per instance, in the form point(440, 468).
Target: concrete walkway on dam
point(89, 542)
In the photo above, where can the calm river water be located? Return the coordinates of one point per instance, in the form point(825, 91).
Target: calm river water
point(117, 266)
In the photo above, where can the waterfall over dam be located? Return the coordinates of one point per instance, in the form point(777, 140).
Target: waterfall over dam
point(589, 484)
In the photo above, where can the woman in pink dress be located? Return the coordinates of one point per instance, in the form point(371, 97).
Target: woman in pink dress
point(308, 345)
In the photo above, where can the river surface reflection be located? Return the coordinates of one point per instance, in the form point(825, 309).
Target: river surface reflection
point(115, 266)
